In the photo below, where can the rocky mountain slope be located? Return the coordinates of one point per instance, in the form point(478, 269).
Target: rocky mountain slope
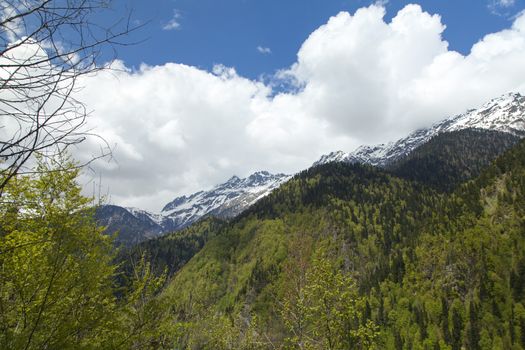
point(223, 201)
point(505, 114)
point(133, 226)
point(502, 115)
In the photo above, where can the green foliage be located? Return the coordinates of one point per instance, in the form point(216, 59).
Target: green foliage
point(55, 266)
point(56, 272)
point(404, 266)
point(327, 312)
point(220, 332)
point(451, 158)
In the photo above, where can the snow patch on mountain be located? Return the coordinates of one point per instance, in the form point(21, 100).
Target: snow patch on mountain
point(225, 201)
point(145, 215)
point(505, 113)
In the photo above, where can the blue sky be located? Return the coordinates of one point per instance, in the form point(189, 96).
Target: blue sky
point(228, 32)
point(215, 88)
point(187, 108)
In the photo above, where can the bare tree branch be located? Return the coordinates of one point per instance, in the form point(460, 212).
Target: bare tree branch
point(45, 47)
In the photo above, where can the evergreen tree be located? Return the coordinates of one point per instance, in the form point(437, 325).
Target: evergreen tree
point(457, 328)
point(444, 321)
point(473, 328)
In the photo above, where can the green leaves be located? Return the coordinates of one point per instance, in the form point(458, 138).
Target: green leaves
point(57, 272)
point(327, 312)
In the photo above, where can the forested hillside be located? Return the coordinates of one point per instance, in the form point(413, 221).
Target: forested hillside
point(169, 253)
point(449, 159)
point(349, 256)
point(340, 257)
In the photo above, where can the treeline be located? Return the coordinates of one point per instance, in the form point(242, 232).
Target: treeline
point(340, 257)
point(424, 269)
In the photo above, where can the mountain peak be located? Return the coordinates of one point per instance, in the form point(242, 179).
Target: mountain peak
point(261, 173)
point(337, 156)
point(224, 200)
point(509, 97)
point(505, 113)
point(233, 179)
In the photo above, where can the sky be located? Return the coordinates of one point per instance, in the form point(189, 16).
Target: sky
point(212, 89)
point(258, 37)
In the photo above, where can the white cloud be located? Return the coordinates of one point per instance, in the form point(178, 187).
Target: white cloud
point(505, 3)
point(381, 2)
point(359, 80)
point(500, 7)
point(264, 50)
point(13, 26)
point(174, 22)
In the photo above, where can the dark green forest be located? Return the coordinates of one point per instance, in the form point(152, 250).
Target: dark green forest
point(428, 253)
point(350, 256)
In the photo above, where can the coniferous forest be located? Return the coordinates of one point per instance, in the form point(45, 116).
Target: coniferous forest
point(416, 243)
point(343, 256)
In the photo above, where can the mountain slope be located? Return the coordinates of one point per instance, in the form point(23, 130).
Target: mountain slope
point(223, 201)
point(451, 158)
point(244, 263)
point(505, 114)
point(435, 270)
point(131, 228)
point(170, 252)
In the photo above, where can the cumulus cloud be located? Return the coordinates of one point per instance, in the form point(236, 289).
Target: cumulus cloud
point(264, 50)
point(174, 22)
point(357, 80)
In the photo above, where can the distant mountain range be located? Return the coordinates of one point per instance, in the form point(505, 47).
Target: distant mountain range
point(504, 114)
point(223, 201)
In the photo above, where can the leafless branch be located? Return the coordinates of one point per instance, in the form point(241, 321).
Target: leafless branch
point(45, 47)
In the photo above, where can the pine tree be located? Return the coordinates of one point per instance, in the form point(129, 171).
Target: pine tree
point(444, 321)
point(473, 328)
point(457, 328)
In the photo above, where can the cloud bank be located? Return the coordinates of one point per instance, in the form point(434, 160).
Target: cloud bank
point(357, 80)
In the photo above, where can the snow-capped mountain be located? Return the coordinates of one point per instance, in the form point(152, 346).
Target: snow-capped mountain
point(505, 113)
point(225, 201)
point(133, 226)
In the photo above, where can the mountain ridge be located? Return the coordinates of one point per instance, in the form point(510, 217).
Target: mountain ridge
point(224, 201)
point(505, 113)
